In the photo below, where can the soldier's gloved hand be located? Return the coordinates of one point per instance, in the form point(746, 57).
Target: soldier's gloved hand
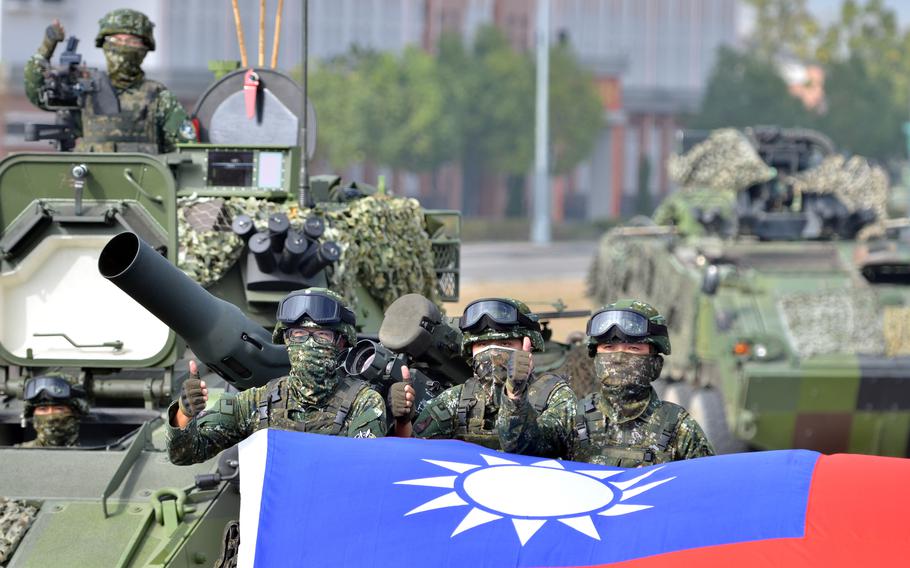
point(402, 397)
point(53, 35)
point(521, 363)
point(194, 394)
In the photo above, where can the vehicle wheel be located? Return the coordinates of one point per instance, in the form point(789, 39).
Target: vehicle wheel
point(706, 406)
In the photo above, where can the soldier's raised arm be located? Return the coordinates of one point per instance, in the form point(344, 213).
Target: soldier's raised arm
point(537, 413)
point(37, 66)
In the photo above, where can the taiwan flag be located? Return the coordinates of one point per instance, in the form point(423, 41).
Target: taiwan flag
point(311, 500)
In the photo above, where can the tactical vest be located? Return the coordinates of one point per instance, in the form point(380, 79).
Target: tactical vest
point(126, 123)
point(591, 438)
point(469, 414)
point(274, 410)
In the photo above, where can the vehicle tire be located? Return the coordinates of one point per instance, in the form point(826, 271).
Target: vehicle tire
point(706, 406)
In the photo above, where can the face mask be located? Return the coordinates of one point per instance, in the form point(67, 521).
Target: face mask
point(626, 369)
point(124, 64)
point(313, 369)
point(56, 429)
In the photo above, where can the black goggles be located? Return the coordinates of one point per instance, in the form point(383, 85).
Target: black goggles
point(47, 388)
point(320, 309)
point(630, 323)
point(494, 314)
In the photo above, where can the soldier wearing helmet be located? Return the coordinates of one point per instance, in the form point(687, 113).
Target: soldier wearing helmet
point(625, 424)
point(317, 396)
point(499, 337)
point(124, 111)
point(55, 406)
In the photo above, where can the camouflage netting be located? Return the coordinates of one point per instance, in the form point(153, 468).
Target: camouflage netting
point(383, 241)
point(896, 322)
point(15, 518)
point(579, 370)
point(629, 268)
point(726, 161)
point(834, 322)
point(856, 183)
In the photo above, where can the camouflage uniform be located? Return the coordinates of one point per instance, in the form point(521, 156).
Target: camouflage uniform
point(316, 397)
point(15, 518)
point(280, 404)
point(150, 119)
point(623, 425)
point(473, 411)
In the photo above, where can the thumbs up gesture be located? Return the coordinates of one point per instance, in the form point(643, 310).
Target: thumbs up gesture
point(402, 397)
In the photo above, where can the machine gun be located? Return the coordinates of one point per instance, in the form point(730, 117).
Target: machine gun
point(414, 334)
point(65, 89)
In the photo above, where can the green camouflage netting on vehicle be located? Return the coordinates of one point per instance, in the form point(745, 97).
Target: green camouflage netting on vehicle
point(383, 240)
point(856, 183)
point(834, 322)
point(726, 161)
point(626, 267)
point(15, 519)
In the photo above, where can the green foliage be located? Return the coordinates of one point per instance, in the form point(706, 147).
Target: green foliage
point(866, 59)
point(417, 112)
point(745, 89)
point(576, 111)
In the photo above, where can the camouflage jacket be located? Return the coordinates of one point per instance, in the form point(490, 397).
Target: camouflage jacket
point(594, 431)
point(353, 410)
point(151, 119)
point(525, 428)
point(470, 412)
point(648, 432)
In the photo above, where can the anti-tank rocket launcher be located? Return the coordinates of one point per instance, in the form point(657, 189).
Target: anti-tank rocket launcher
point(414, 333)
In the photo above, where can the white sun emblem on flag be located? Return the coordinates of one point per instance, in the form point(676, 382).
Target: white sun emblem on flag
point(531, 495)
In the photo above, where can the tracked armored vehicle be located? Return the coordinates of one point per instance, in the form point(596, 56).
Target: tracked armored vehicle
point(785, 290)
point(228, 212)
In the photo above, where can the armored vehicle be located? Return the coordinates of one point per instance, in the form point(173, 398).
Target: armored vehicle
point(785, 290)
point(233, 214)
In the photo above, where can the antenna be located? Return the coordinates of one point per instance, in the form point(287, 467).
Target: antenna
point(304, 199)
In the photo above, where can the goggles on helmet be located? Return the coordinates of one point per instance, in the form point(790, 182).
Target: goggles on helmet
point(47, 388)
point(631, 324)
point(320, 309)
point(495, 314)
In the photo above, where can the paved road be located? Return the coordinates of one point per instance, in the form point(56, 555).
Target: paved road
point(518, 261)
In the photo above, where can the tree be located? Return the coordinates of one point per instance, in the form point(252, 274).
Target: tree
point(576, 111)
point(862, 116)
point(745, 89)
point(783, 27)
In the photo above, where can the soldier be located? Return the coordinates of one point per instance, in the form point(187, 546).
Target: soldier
point(316, 397)
point(55, 406)
point(126, 112)
point(625, 424)
point(499, 336)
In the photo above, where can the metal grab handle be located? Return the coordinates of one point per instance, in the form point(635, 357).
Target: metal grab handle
point(128, 175)
point(117, 345)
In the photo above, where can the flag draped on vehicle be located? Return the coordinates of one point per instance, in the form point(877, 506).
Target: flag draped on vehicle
point(310, 500)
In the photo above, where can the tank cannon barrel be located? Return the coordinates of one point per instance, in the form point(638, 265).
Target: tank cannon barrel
point(234, 346)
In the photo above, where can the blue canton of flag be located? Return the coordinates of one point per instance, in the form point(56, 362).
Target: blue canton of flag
point(311, 500)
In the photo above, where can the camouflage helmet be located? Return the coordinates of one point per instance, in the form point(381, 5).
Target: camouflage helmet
point(49, 393)
point(125, 21)
point(346, 329)
point(656, 334)
point(531, 329)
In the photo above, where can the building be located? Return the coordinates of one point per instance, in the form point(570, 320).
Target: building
point(651, 59)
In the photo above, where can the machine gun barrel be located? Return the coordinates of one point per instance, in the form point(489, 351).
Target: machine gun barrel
point(234, 346)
